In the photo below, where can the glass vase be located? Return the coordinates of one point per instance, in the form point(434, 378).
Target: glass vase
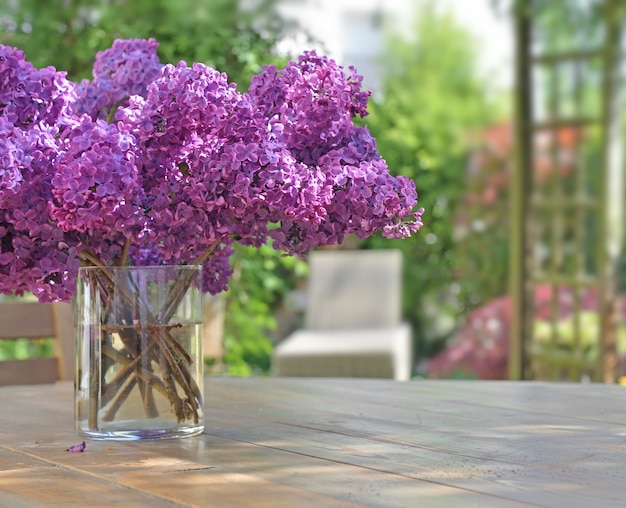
point(139, 362)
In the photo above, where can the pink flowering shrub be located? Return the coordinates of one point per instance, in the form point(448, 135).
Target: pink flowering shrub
point(152, 163)
point(481, 347)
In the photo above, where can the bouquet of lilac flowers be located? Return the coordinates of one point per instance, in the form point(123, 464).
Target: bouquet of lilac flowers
point(169, 164)
point(153, 164)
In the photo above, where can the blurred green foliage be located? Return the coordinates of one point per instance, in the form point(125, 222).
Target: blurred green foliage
point(432, 97)
point(68, 34)
point(25, 348)
point(259, 283)
point(566, 335)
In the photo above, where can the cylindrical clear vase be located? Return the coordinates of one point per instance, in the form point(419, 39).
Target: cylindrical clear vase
point(139, 362)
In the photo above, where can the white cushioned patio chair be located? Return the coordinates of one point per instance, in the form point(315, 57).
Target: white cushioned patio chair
point(353, 319)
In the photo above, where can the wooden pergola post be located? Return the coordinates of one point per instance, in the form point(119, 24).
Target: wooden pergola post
point(521, 187)
point(611, 190)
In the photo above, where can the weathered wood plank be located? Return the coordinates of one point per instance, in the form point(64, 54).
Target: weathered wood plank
point(243, 474)
point(26, 320)
point(28, 372)
point(31, 483)
point(64, 346)
point(495, 448)
point(321, 442)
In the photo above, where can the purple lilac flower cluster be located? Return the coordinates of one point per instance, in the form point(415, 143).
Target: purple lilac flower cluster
point(169, 164)
point(35, 112)
point(310, 105)
point(119, 72)
point(30, 97)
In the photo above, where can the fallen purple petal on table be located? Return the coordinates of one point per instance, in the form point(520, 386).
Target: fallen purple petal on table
point(77, 448)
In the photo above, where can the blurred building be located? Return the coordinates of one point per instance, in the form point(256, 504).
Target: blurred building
point(349, 31)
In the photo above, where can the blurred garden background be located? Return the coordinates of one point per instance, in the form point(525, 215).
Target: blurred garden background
point(452, 105)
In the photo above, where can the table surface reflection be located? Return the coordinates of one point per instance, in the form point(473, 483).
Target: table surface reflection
point(297, 442)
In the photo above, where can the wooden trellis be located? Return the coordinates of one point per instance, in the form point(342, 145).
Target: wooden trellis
point(567, 213)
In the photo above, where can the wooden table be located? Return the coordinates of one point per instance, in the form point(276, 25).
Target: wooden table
point(281, 442)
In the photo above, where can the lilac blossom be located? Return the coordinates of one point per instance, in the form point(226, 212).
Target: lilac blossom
point(95, 188)
point(35, 110)
point(152, 164)
point(310, 105)
point(30, 97)
point(35, 255)
point(119, 72)
point(77, 448)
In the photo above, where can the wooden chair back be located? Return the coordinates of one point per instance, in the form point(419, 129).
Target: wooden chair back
point(33, 320)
